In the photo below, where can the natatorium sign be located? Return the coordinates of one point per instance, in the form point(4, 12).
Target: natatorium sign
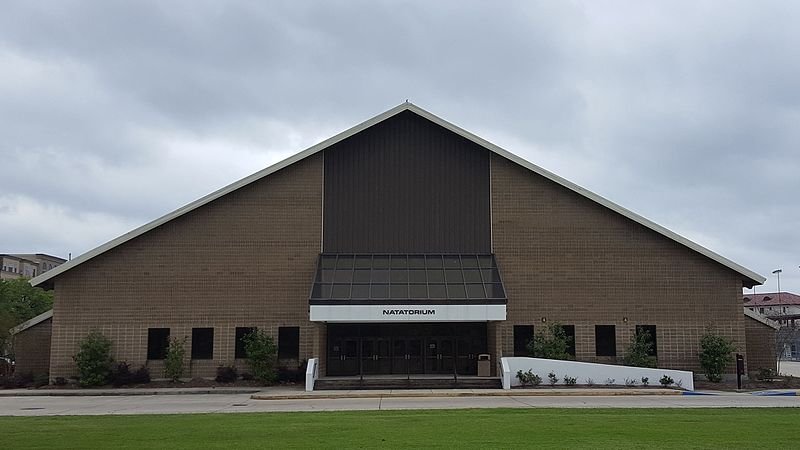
point(407, 313)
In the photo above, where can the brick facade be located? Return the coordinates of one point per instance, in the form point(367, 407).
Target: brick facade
point(32, 349)
point(760, 346)
point(248, 259)
point(243, 260)
point(568, 259)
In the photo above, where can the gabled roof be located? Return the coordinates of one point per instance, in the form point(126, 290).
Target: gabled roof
point(31, 322)
point(771, 298)
point(749, 278)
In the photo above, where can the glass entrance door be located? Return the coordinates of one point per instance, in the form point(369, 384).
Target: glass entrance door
point(343, 359)
point(406, 355)
point(439, 355)
point(375, 358)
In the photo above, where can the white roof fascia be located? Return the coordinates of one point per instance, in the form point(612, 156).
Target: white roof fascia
point(758, 317)
point(31, 322)
point(366, 124)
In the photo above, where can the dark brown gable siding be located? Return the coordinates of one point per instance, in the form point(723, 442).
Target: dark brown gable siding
point(406, 185)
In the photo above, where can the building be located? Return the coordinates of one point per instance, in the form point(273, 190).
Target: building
point(784, 309)
point(27, 265)
point(30, 343)
point(402, 245)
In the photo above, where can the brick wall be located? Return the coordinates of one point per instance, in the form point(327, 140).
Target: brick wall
point(567, 259)
point(760, 346)
point(243, 260)
point(32, 348)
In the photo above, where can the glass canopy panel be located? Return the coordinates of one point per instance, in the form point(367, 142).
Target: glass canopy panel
point(440, 278)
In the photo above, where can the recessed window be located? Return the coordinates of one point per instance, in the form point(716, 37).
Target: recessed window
point(241, 332)
point(605, 340)
point(202, 343)
point(522, 337)
point(569, 331)
point(289, 343)
point(157, 343)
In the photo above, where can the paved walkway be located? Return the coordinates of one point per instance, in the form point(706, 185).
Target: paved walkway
point(243, 402)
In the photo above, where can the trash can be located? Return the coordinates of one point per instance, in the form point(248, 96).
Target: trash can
point(484, 365)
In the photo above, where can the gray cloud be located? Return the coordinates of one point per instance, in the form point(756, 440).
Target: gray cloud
point(685, 112)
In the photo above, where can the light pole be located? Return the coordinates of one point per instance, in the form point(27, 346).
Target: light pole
point(778, 273)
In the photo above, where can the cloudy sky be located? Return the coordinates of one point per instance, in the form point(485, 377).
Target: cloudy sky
point(688, 113)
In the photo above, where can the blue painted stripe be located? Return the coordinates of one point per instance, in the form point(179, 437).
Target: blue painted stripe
point(697, 393)
point(776, 393)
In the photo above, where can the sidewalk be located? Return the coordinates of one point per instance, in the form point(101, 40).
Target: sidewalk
point(298, 393)
point(125, 391)
point(434, 393)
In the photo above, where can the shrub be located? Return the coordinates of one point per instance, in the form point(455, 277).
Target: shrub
point(551, 345)
point(590, 382)
point(765, 374)
point(94, 359)
point(173, 361)
point(553, 378)
point(645, 381)
point(630, 382)
point(528, 378)
point(610, 381)
point(60, 381)
point(247, 376)
point(639, 350)
point(261, 350)
point(570, 381)
point(226, 374)
point(666, 380)
point(716, 352)
point(121, 375)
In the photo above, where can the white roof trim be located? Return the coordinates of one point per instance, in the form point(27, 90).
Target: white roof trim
point(31, 322)
point(748, 274)
point(758, 317)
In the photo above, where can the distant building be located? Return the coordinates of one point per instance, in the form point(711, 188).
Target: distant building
point(782, 307)
point(27, 265)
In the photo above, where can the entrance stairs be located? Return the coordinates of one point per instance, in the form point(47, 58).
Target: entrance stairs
point(413, 382)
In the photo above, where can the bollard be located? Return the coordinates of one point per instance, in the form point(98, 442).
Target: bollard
point(739, 370)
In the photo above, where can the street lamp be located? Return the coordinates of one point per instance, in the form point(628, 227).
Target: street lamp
point(778, 273)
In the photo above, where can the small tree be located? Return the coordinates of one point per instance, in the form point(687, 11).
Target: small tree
point(173, 361)
point(261, 351)
point(639, 350)
point(551, 345)
point(716, 352)
point(94, 359)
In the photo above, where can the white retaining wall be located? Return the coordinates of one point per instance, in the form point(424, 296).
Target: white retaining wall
point(312, 373)
point(599, 373)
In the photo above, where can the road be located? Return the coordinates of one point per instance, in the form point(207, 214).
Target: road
point(233, 403)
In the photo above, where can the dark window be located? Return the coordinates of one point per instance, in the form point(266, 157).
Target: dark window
point(241, 332)
point(522, 336)
point(157, 343)
point(202, 343)
point(569, 332)
point(605, 340)
point(651, 330)
point(289, 343)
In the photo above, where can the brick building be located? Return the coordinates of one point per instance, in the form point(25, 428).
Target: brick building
point(27, 265)
point(403, 245)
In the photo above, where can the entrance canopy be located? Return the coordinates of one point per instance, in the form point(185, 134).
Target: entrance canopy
point(407, 287)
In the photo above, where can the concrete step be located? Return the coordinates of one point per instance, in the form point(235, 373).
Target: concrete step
point(403, 383)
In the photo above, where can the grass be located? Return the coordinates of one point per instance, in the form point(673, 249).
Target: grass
point(462, 429)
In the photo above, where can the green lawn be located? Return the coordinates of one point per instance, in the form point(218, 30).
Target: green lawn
point(476, 428)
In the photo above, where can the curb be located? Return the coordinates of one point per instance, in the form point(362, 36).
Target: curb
point(131, 392)
point(776, 393)
point(445, 394)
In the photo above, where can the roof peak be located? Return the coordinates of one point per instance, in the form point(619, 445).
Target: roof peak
point(750, 278)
